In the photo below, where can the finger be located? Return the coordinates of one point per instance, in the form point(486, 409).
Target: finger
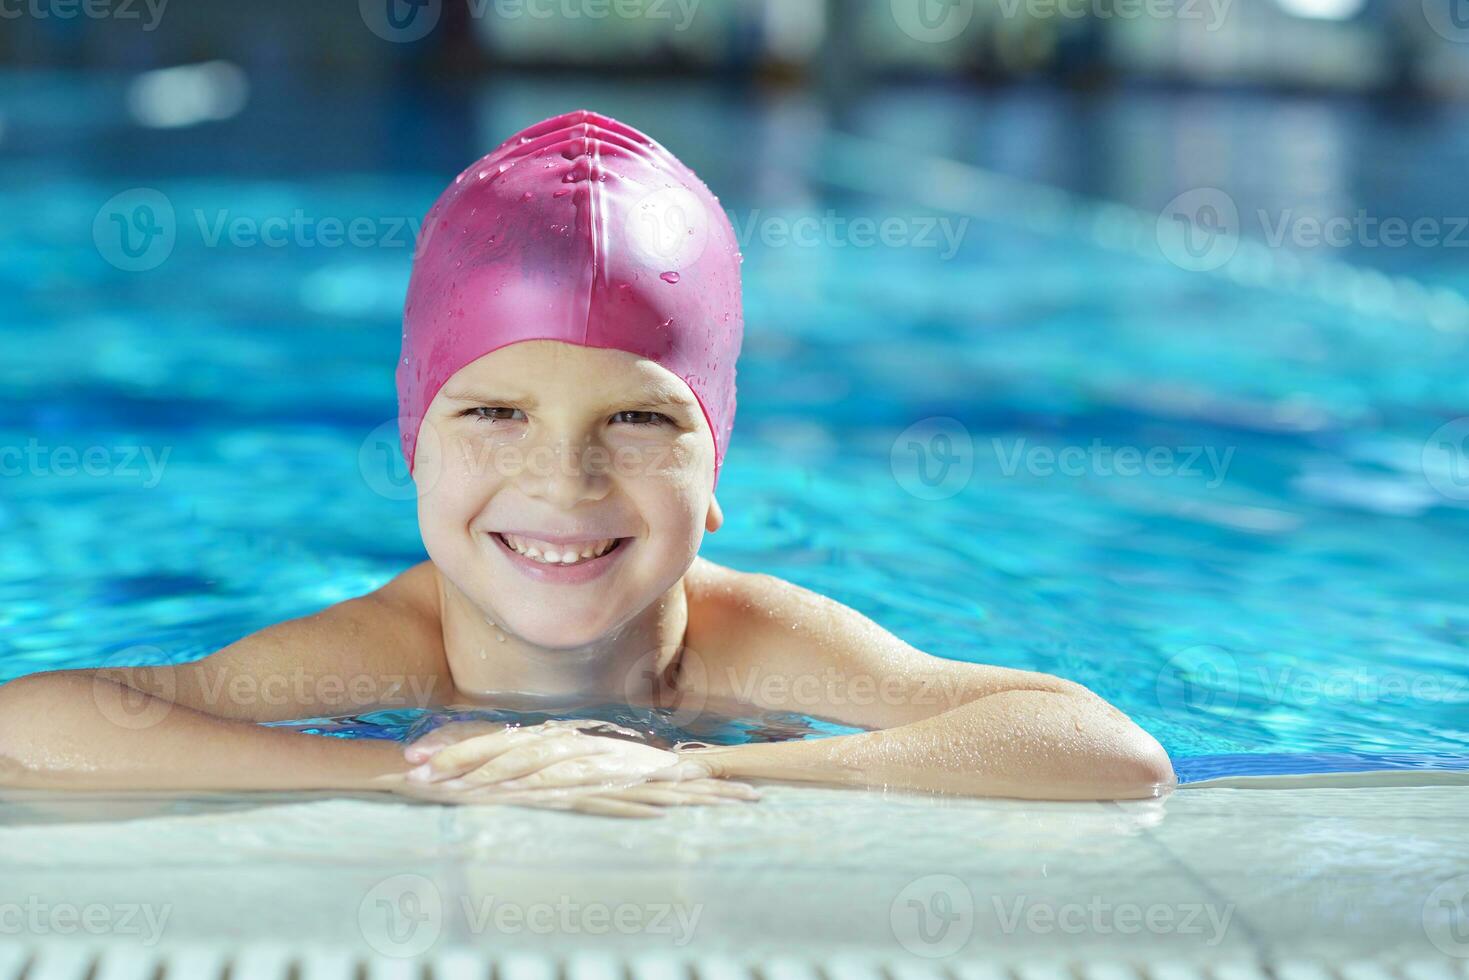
point(722, 787)
point(600, 768)
point(525, 760)
point(684, 769)
point(658, 795)
point(421, 749)
point(466, 754)
point(608, 807)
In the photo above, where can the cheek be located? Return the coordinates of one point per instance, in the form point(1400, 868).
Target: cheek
point(674, 497)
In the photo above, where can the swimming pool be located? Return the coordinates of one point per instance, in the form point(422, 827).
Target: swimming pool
point(1220, 504)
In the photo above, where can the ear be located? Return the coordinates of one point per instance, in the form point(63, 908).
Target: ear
point(715, 519)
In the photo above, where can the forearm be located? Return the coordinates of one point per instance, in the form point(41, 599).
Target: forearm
point(82, 733)
point(1028, 744)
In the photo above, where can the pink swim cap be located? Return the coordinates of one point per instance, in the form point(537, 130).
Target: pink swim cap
point(579, 229)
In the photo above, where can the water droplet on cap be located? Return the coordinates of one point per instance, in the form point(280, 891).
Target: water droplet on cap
point(670, 277)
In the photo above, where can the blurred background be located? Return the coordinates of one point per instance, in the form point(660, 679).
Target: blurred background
point(980, 235)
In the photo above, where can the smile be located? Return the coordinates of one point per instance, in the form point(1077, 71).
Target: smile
point(553, 553)
point(569, 561)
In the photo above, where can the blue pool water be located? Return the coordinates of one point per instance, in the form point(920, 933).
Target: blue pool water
point(1281, 589)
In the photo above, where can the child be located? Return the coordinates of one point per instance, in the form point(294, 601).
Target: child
point(567, 393)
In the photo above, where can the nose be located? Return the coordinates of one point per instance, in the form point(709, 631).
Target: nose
point(557, 471)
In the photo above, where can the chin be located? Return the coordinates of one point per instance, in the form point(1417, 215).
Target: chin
point(559, 628)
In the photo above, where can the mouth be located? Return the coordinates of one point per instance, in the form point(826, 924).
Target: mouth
point(567, 561)
point(562, 553)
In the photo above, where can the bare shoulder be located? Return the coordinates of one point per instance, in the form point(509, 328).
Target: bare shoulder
point(726, 604)
point(382, 649)
point(764, 640)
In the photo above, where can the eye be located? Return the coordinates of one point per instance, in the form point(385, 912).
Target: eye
point(641, 418)
point(497, 414)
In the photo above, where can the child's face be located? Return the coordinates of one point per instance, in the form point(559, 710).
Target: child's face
point(564, 489)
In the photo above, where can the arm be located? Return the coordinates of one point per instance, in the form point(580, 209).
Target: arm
point(193, 726)
point(940, 725)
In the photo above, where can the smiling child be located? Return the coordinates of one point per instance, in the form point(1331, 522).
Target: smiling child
point(567, 395)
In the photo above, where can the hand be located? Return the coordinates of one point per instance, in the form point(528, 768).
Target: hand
point(646, 800)
point(553, 755)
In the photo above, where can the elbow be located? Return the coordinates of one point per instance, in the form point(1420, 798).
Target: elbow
point(1130, 763)
point(1138, 768)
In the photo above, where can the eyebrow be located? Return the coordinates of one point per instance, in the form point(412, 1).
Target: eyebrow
point(653, 395)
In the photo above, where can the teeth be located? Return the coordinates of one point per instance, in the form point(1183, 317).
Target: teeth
point(558, 554)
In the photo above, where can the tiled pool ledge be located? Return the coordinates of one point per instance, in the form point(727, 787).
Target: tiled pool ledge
point(893, 883)
point(271, 962)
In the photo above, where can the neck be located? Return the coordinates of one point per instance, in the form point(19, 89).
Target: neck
point(489, 664)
